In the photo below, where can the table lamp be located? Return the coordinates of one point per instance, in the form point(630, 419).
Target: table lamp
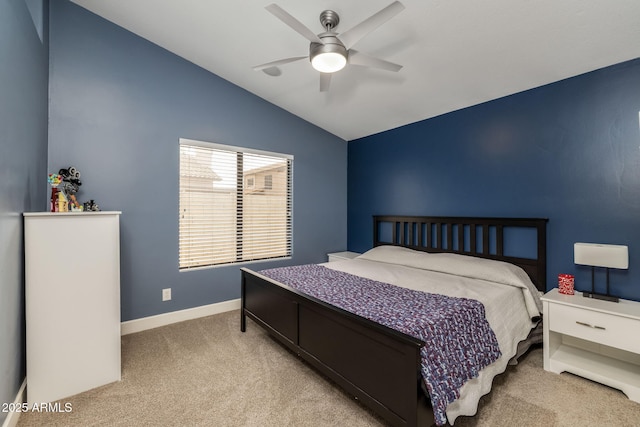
point(599, 255)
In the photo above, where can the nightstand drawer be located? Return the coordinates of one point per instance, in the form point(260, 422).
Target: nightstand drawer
point(602, 328)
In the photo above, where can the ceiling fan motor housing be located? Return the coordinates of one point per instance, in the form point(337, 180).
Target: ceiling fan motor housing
point(331, 45)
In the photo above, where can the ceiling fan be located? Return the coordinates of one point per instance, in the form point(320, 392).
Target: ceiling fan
point(330, 51)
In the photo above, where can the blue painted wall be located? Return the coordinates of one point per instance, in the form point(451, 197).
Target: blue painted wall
point(23, 157)
point(569, 151)
point(118, 106)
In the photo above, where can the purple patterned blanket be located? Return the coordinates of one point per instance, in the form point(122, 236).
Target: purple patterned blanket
point(459, 340)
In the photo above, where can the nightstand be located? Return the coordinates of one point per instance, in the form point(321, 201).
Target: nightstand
point(340, 256)
point(598, 340)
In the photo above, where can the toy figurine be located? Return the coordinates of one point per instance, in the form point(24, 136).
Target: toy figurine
point(70, 185)
point(54, 180)
point(91, 206)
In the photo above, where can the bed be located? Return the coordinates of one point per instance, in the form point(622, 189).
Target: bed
point(381, 364)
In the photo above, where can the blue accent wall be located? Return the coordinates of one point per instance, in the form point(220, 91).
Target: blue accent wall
point(118, 106)
point(23, 156)
point(568, 151)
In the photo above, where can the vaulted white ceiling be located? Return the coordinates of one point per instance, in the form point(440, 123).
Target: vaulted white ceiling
point(455, 53)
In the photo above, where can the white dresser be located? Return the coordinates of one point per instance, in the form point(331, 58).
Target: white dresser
point(595, 339)
point(72, 295)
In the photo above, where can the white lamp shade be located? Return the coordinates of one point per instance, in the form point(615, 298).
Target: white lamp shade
point(328, 62)
point(599, 255)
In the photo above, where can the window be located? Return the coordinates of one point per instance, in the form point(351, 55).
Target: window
point(224, 218)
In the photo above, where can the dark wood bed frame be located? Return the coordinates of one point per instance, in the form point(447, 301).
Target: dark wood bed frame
point(377, 365)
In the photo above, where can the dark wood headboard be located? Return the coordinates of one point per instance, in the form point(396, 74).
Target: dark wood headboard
point(479, 237)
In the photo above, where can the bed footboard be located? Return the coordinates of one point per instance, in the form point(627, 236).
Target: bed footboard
point(377, 365)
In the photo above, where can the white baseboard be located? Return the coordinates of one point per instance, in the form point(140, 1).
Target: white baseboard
point(138, 325)
point(12, 418)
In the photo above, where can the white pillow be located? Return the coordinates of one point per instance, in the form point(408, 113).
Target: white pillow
point(395, 255)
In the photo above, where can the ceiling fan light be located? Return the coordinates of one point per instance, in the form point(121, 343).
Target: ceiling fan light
point(329, 62)
point(330, 56)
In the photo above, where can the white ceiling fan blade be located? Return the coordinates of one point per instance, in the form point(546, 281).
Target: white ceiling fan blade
point(325, 81)
point(292, 22)
point(353, 35)
point(278, 62)
point(359, 58)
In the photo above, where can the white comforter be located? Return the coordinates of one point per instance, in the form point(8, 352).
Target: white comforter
point(509, 298)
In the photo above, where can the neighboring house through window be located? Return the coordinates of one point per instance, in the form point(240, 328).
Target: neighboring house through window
point(235, 205)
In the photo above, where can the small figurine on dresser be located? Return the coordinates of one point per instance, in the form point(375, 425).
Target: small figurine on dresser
point(91, 206)
point(70, 186)
point(54, 180)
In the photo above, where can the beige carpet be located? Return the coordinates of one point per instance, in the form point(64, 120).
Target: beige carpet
point(205, 372)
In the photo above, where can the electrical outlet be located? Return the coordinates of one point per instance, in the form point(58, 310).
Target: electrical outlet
point(166, 294)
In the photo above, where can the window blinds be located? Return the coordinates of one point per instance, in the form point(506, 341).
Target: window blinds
point(235, 205)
